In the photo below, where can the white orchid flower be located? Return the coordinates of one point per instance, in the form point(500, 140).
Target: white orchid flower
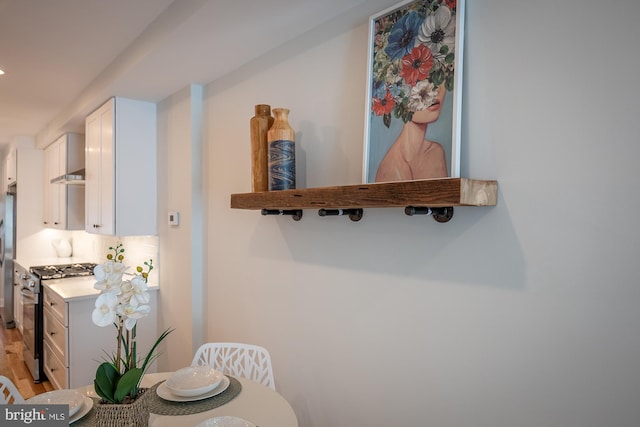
point(109, 268)
point(139, 289)
point(109, 276)
point(109, 287)
point(127, 290)
point(105, 312)
point(132, 312)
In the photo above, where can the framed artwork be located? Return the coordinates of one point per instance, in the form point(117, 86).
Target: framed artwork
point(412, 124)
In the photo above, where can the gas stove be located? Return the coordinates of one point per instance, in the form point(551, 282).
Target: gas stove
point(46, 272)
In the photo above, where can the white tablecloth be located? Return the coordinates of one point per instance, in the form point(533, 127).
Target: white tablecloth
point(255, 403)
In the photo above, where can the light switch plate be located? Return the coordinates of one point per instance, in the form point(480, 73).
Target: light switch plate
point(174, 218)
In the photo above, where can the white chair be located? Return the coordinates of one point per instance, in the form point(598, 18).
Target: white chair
point(8, 392)
point(244, 360)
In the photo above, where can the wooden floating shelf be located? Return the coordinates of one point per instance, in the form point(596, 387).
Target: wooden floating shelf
point(433, 193)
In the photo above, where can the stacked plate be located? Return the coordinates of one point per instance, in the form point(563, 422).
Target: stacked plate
point(227, 421)
point(193, 383)
point(79, 405)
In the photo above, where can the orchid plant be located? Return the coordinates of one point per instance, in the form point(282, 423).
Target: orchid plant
point(122, 302)
point(413, 55)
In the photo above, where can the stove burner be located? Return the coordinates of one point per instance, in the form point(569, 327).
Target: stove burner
point(46, 272)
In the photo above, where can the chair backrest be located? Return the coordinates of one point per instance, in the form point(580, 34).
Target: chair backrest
point(8, 392)
point(244, 360)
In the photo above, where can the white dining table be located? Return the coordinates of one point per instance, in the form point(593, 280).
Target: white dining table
point(256, 403)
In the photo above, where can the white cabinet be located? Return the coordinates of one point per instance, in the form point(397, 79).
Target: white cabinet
point(64, 203)
point(121, 168)
point(50, 157)
point(56, 338)
point(10, 168)
point(74, 347)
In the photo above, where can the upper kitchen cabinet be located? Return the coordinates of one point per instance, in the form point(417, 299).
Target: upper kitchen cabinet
point(10, 168)
point(121, 168)
point(64, 195)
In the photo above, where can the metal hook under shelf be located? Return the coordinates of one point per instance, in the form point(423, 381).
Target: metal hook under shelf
point(354, 214)
point(296, 214)
point(439, 214)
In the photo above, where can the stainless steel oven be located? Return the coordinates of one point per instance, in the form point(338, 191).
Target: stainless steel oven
point(30, 284)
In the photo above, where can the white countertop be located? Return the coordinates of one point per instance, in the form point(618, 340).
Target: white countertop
point(73, 288)
point(69, 288)
point(78, 288)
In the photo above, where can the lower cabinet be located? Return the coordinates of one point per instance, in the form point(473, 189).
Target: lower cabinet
point(55, 369)
point(74, 346)
point(56, 338)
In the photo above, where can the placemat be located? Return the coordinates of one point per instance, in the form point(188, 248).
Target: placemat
point(159, 406)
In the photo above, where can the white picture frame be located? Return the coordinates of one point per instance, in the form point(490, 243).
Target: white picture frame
point(414, 91)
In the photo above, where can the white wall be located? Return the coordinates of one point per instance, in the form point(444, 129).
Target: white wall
point(182, 255)
point(524, 314)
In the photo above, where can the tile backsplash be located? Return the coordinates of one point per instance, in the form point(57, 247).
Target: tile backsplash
point(94, 248)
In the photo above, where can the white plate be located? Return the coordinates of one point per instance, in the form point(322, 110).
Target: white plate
point(226, 421)
point(164, 392)
point(193, 381)
point(72, 398)
point(84, 409)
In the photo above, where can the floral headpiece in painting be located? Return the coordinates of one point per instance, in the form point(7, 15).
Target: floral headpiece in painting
point(413, 55)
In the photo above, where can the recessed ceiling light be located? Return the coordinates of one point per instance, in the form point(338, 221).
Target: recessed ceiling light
point(1, 72)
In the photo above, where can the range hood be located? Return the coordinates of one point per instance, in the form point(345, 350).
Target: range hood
point(74, 178)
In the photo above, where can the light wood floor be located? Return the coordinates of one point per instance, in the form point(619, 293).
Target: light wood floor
point(12, 364)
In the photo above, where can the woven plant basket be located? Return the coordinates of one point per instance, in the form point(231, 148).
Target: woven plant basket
point(134, 414)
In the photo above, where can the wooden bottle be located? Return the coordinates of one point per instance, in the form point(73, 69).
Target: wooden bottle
point(259, 125)
point(282, 152)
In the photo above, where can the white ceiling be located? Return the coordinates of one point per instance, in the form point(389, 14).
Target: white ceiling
point(62, 58)
point(52, 50)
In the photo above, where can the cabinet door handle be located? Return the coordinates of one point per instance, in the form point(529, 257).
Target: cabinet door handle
point(52, 333)
point(52, 304)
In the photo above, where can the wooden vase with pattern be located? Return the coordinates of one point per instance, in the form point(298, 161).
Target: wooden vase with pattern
point(282, 152)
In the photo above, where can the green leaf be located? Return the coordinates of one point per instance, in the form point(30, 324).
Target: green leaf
point(127, 384)
point(134, 352)
point(407, 116)
point(449, 58)
point(106, 379)
point(101, 393)
point(449, 83)
point(444, 49)
point(153, 349)
point(386, 119)
point(437, 77)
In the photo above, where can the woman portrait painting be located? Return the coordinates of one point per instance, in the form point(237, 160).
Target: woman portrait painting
point(413, 106)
